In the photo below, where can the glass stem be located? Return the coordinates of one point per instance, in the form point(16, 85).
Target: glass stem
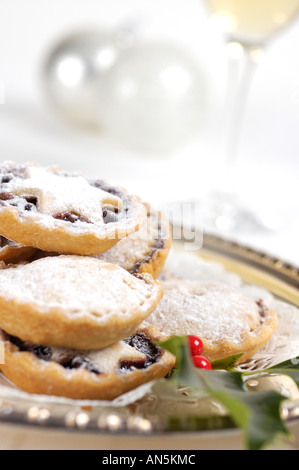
point(238, 88)
point(223, 209)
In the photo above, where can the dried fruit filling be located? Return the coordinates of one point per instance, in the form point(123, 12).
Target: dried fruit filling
point(74, 360)
point(30, 203)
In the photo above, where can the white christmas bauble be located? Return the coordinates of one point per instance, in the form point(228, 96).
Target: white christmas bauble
point(73, 70)
point(149, 95)
point(154, 97)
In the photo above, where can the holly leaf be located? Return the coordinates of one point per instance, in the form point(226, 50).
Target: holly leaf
point(257, 414)
point(227, 362)
point(184, 373)
point(292, 364)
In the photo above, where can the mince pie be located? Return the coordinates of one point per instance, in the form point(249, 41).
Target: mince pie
point(64, 212)
point(227, 321)
point(102, 375)
point(144, 251)
point(76, 302)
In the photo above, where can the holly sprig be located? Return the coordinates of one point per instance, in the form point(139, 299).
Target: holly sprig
point(257, 414)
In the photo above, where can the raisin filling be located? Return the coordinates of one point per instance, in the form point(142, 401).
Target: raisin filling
point(5, 196)
point(42, 352)
point(73, 360)
point(29, 203)
point(105, 187)
point(129, 366)
point(6, 175)
point(263, 309)
point(70, 217)
point(144, 345)
point(9, 172)
point(158, 245)
point(109, 216)
point(81, 362)
point(32, 202)
point(69, 360)
point(6, 179)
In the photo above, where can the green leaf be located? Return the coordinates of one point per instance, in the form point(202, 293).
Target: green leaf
point(265, 422)
point(184, 372)
point(290, 364)
point(227, 362)
point(257, 414)
point(165, 390)
point(174, 345)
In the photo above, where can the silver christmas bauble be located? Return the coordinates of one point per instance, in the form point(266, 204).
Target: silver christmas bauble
point(73, 70)
point(149, 95)
point(154, 97)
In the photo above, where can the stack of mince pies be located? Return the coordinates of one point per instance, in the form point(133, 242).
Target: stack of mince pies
point(79, 267)
point(81, 308)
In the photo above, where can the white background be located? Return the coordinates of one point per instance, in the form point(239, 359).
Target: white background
point(268, 166)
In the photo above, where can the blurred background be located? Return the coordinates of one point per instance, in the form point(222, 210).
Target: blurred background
point(136, 92)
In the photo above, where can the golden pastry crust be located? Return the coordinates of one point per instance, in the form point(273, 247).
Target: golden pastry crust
point(55, 301)
point(249, 346)
point(11, 252)
point(144, 251)
point(67, 229)
point(227, 321)
point(34, 375)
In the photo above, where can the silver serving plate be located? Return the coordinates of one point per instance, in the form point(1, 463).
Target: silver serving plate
point(186, 421)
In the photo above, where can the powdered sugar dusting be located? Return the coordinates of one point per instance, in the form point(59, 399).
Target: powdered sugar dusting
point(138, 245)
point(69, 283)
point(56, 194)
point(283, 344)
point(212, 310)
point(59, 195)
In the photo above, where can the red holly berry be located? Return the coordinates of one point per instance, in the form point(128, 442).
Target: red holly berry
point(201, 362)
point(196, 345)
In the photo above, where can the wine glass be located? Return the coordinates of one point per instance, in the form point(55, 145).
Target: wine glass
point(248, 26)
